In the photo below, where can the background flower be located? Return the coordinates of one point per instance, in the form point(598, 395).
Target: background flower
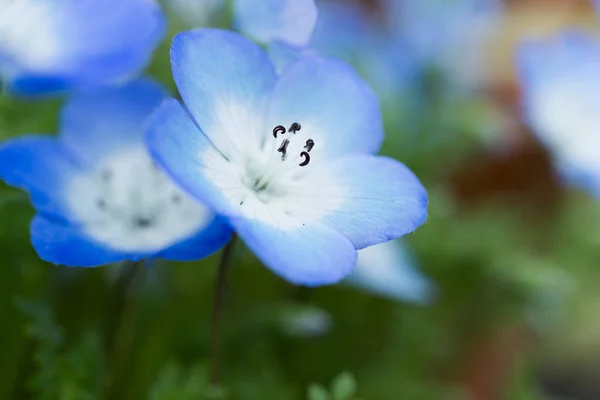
point(99, 196)
point(54, 46)
point(559, 78)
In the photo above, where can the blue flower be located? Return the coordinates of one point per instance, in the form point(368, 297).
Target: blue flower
point(99, 196)
point(436, 31)
point(560, 79)
point(51, 46)
point(287, 21)
point(389, 269)
point(289, 160)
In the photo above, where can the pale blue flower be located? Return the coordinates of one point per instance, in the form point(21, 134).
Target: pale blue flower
point(288, 160)
point(448, 35)
point(48, 46)
point(388, 269)
point(287, 21)
point(560, 80)
point(99, 196)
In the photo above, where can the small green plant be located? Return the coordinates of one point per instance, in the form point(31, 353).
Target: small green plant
point(343, 387)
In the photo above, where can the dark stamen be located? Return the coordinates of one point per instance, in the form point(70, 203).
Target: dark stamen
point(283, 148)
point(176, 198)
point(309, 145)
point(306, 159)
point(101, 204)
point(295, 127)
point(106, 174)
point(142, 222)
point(278, 129)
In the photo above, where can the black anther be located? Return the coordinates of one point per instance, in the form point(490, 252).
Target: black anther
point(101, 204)
point(283, 148)
point(142, 222)
point(295, 127)
point(309, 145)
point(176, 198)
point(278, 129)
point(106, 174)
point(306, 159)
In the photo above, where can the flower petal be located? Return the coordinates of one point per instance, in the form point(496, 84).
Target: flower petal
point(63, 244)
point(225, 81)
point(39, 165)
point(389, 269)
point(290, 21)
point(309, 254)
point(187, 155)
point(371, 199)
point(77, 43)
point(561, 80)
point(203, 244)
point(334, 106)
point(96, 121)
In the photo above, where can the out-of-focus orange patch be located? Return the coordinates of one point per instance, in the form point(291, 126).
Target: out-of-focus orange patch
point(534, 19)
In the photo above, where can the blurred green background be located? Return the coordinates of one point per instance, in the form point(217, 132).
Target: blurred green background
point(514, 256)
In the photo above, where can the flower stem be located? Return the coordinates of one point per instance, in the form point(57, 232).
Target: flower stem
point(122, 320)
point(217, 311)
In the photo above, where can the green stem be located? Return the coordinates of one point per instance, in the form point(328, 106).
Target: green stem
point(122, 321)
point(217, 312)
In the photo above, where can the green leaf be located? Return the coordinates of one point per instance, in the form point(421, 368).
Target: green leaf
point(317, 392)
point(344, 386)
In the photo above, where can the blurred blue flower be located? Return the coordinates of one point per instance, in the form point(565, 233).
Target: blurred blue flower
point(289, 160)
point(52, 46)
point(560, 80)
point(287, 21)
point(388, 269)
point(448, 35)
point(99, 196)
point(347, 30)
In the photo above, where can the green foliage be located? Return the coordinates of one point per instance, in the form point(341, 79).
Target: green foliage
point(62, 372)
point(343, 387)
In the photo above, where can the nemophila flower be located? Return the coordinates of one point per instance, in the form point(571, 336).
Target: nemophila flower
point(99, 196)
point(49, 46)
point(287, 21)
point(435, 31)
point(288, 161)
point(348, 31)
point(388, 269)
point(560, 80)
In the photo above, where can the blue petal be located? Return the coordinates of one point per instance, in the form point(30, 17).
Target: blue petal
point(539, 62)
point(93, 46)
point(39, 165)
point(560, 82)
point(96, 121)
point(283, 54)
point(389, 269)
point(382, 200)
point(333, 105)
point(186, 154)
point(309, 255)
point(290, 21)
point(62, 244)
point(29, 85)
point(203, 244)
point(225, 81)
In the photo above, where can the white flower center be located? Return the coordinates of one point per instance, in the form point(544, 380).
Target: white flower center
point(279, 164)
point(28, 33)
point(128, 204)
